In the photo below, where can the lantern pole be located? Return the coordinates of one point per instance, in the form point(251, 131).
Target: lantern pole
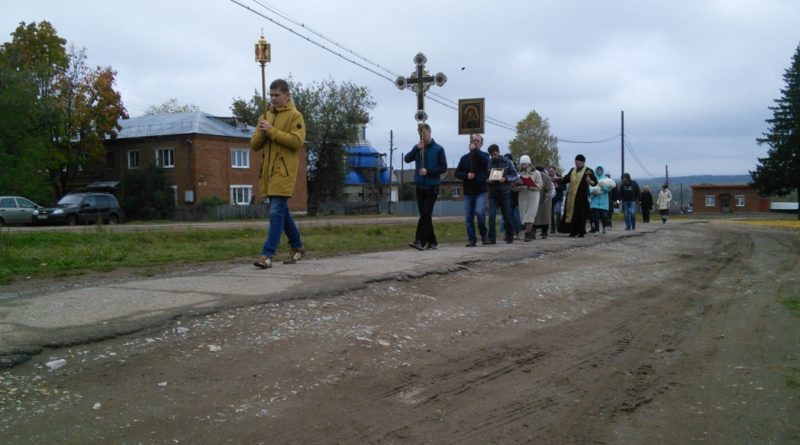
point(262, 58)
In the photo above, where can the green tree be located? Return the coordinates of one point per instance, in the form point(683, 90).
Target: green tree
point(147, 194)
point(71, 110)
point(779, 172)
point(170, 106)
point(248, 110)
point(29, 67)
point(534, 139)
point(332, 112)
point(89, 110)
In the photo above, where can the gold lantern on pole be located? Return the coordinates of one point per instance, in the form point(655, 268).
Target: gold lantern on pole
point(262, 58)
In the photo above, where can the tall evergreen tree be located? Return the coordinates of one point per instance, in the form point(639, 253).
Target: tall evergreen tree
point(779, 172)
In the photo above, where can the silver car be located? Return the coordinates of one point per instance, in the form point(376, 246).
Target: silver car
point(16, 210)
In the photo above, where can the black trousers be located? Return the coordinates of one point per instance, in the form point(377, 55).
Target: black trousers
point(426, 198)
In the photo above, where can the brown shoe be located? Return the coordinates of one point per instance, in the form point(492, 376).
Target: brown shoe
point(263, 262)
point(295, 255)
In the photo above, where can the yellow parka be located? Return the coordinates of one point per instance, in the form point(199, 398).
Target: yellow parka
point(280, 149)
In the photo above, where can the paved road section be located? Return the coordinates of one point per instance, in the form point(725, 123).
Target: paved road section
point(32, 322)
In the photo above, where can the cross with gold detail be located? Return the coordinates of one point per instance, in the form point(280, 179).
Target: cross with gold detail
point(419, 82)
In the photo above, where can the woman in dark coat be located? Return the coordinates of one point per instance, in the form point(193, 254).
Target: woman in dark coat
point(647, 204)
point(576, 203)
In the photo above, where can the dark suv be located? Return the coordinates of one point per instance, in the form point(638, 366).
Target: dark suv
point(81, 208)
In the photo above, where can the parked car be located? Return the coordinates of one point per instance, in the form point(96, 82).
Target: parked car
point(16, 210)
point(81, 208)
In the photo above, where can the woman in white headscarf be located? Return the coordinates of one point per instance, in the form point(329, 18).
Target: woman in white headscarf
point(529, 184)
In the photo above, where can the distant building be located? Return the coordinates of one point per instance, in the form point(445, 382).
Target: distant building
point(367, 177)
point(203, 155)
point(728, 198)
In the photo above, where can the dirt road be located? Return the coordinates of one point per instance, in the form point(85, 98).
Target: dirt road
point(677, 336)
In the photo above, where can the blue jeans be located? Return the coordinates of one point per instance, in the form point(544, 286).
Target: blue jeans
point(504, 198)
point(629, 207)
point(475, 206)
point(280, 220)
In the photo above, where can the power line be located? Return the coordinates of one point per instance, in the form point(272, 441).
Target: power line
point(436, 98)
point(599, 141)
point(637, 160)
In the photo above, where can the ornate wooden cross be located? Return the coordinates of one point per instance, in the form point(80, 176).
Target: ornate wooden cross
point(419, 82)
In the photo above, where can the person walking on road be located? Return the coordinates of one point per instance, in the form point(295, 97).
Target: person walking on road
point(430, 163)
point(647, 204)
point(473, 171)
point(502, 174)
point(629, 195)
point(664, 200)
point(529, 185)
point(576, 205)
point(279, 136)
point(599, 199)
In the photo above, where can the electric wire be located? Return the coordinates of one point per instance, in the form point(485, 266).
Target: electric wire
point(636, 159)
point(432, 96)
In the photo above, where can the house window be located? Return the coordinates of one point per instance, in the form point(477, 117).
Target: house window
point(240, 158)
point(165, 157)
point(739, 200)
point(175, 193)
point(133, 159)
point(241, 194)
point(456, 192)
point(710, 201)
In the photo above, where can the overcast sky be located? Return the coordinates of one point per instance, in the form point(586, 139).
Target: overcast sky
point(694, 77)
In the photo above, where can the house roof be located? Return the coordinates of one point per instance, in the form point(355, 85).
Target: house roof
point(188, 122)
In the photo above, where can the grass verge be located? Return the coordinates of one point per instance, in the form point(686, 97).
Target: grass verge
point(41, 254)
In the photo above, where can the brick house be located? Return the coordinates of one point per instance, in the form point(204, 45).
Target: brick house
point(203, 155)
point(730, 198)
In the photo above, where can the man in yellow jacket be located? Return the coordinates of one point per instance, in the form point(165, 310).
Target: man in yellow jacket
point(279, 136)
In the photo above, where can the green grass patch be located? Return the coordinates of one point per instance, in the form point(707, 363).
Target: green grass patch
point(793, 304)
point(40, 254)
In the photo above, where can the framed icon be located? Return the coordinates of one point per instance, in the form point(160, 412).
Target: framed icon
point(471, 116)
point(496, 174)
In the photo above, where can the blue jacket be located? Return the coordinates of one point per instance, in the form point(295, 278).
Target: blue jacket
point(510, 173)
point(598, 194)
point(435, 163)
point(476, 161)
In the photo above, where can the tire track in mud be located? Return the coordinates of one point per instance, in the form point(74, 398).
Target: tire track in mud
point(611, 365)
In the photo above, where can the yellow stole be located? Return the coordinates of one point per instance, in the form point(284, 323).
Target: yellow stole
point(575, 179)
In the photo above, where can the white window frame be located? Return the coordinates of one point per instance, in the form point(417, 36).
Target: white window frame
point(739, 200)
point(240, 158)
point(456, 192)
point(241, 199)
point(161, 160)
point(711, 201)
point(130, 164)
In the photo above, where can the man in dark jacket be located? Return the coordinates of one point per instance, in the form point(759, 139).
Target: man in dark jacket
point(500, 193)
point(473, 171)
point(430, 163)
point(629, 195)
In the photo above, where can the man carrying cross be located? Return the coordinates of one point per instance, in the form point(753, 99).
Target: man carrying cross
point(428, 156)
point(430, 163)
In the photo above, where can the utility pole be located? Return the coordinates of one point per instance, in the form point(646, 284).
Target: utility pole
point(391, 171)
point(622, 143)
